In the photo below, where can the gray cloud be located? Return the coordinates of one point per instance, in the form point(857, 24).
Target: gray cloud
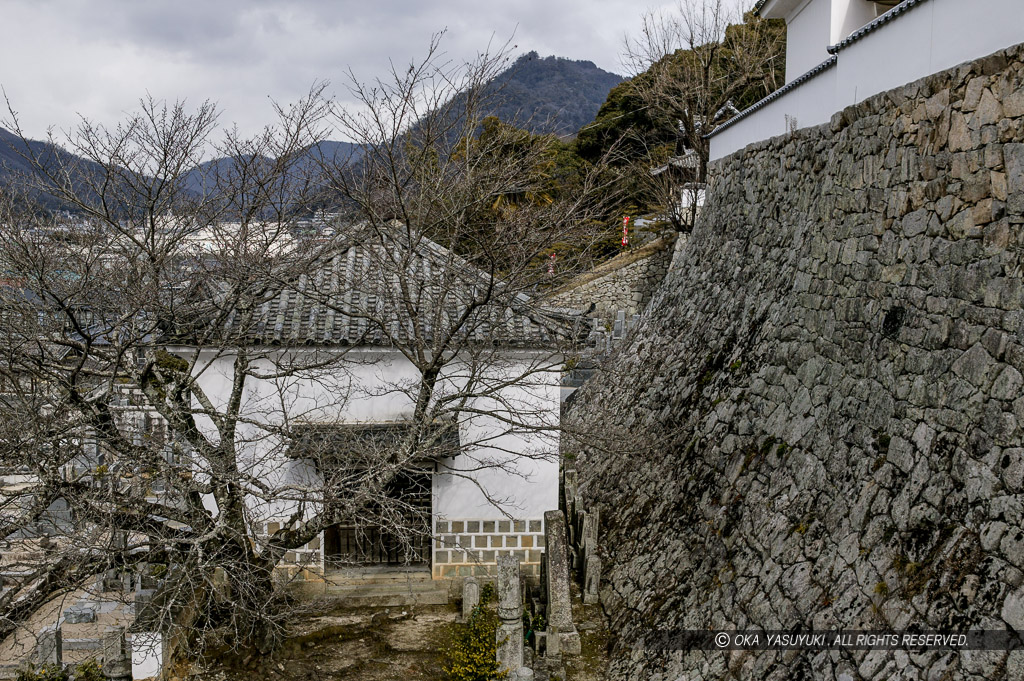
point(60, 58)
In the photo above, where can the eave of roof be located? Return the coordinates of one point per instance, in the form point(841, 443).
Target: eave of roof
point(820, 68)
point(787, 7)
point(889, 16)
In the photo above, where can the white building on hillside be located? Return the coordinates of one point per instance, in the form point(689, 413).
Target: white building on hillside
point(478, 491)
point(840, 52)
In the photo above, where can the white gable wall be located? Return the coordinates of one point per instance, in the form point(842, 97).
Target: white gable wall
point(518, 468)
point(807, 37)
point(932, 37)
point(848, 16)
point(813, 25)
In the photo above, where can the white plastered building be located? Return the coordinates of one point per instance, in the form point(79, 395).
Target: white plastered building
point(840, 52)
point(485, 497)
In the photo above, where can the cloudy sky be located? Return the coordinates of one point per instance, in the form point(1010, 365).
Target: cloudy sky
point(63, 58)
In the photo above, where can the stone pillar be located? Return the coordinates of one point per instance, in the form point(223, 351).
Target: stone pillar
point(48, 647)
point(558, 592)
point(117, 659)
point(510, 612)
point(570, 482)
point(524, 674)
point(470, 597)
point(592, 579)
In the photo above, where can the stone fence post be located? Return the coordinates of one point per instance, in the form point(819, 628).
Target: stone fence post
point(510, 612)
point(558, 592)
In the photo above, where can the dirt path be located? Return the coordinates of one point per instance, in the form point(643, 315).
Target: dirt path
point(382, 645)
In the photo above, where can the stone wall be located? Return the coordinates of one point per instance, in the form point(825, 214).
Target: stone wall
point(464, 548)
point(820, 420)
point(626, 282)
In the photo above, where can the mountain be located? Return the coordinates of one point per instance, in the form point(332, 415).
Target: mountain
point(13, 165)
point(542, 95)
point(551, 94)
point(203, 179)
point(199, 181)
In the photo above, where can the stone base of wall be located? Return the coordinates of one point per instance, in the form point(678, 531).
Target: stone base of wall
point(626, 282)
point(461, 548)
point(465, 547)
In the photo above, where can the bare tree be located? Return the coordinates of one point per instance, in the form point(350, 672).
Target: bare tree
point(190, 352)
point(695, 67)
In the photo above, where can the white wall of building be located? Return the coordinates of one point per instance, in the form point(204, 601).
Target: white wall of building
point(848, 16)
point(811, 103)
point(147, 655)
point(807, 37)
point(528, 490)
point(935, 36)
point(517, 467)
point(928, 38)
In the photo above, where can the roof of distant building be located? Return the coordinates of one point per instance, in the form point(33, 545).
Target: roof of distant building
point(687, 161)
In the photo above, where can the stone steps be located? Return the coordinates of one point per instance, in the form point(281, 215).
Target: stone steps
point(386, 577)
point(377, 589)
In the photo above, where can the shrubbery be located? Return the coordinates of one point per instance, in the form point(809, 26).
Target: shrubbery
point(87, 671)
point(471, 654)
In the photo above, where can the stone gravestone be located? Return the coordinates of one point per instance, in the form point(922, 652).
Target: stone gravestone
point(558, 592)
point(117, 659)
point(145, 612)
point(470, 597)
point(590, 562)
point(553, 650)
point(48, 646)
point(510, 612)
point(592, 580)
point(589, 532)
point(569, 485)
point(80, 614)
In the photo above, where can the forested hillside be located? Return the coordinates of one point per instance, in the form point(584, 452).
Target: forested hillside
point(551, 94)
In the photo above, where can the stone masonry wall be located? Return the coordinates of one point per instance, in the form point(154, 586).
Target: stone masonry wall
point(625, 283)
point(464, 548)
point(820, 421)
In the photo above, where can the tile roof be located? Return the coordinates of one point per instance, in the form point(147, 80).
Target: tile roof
point(378, 295)
point(820, 68)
